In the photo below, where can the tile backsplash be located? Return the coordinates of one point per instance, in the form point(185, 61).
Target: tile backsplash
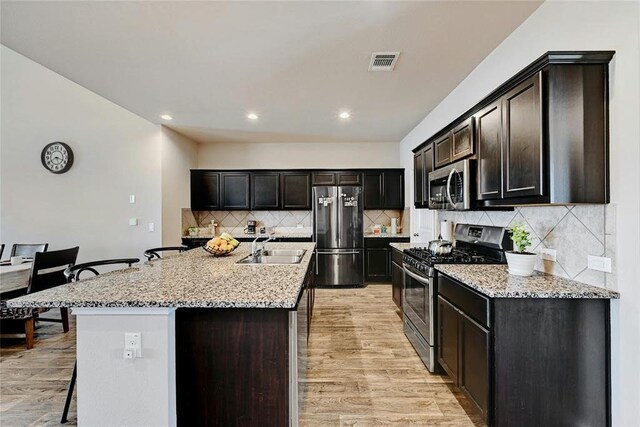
point(575, 232)
point(383, 217)
point(238, 219)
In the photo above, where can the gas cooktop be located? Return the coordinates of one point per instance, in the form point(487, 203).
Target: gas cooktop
point(457, 256)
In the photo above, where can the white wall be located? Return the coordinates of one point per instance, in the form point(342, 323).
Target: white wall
point(116, 154)
point(284, 155)
point(582, 26)
point(179, 155)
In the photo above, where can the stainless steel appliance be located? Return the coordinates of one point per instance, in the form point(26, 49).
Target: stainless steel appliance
point(475, 244)
point(339, 235)
point(251, 227)
point(450, 186)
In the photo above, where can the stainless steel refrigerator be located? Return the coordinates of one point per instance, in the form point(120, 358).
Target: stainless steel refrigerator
point(338, 233)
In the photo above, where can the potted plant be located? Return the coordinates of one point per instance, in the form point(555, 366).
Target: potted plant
point(521, 263)
point(193, 231)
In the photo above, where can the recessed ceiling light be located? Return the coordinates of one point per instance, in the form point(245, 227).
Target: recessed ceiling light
point(166, 117)
point(252, 116)
point(345, 115)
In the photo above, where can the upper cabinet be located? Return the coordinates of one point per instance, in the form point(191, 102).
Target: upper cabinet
point(337, 178)
point(422, 165)
point(384, 189)
point(540, 138)
point(265, 190)
point(296, 190)
point(205, 190)
point(234, 191)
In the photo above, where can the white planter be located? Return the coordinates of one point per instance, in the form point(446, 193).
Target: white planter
point(521, 264)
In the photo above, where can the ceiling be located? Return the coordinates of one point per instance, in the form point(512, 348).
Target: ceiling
point(296, 64)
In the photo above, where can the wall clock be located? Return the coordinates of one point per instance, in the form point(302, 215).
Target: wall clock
point(57, 157)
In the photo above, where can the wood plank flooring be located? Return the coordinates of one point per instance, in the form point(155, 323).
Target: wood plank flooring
point(362, 371)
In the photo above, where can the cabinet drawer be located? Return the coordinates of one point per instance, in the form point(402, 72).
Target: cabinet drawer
point(470, 302)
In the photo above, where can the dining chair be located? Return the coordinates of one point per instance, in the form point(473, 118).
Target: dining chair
point(27, 250)
point(1, 249)
point(153, 253)
point(72, 274)
point(47, 271)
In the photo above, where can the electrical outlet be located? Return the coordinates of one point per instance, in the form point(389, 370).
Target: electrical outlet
point(132, 342)
point(128, 354)
point(548, 254)
point(132, 198)
point(152, 226)
point(133, 221)
point(599, 263)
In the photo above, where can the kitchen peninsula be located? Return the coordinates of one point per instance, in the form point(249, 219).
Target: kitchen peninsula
point(220, 340)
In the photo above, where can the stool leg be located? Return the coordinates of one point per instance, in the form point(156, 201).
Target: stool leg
point(67, 403)
point(28, 331)
point(64, 313)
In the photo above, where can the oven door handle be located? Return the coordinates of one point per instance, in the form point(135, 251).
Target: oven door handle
point(449, 187)
point(420, 279)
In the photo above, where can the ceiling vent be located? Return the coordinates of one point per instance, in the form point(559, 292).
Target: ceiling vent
point(383, 61)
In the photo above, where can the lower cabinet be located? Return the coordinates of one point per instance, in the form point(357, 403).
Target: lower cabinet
point(396, 283)
point(526, 361)
point(378, 266)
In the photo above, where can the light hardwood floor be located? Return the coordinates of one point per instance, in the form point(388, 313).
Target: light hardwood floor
point(362, 371)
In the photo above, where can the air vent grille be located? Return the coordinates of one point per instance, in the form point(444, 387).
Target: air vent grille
point(383, 61)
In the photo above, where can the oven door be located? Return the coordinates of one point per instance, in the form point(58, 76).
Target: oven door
point(417, 303)
point(449, 187)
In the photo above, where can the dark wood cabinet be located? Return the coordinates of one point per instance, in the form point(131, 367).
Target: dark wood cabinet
point(373, 190)
point(473, 376)
point(265, 190)
point(489, 138)
point(396, 283)
point(419, 181)
point(349, 178)
point(377, 264)
point(323, 178)
point(448, 347)
point(497, 348)
point(522, 140)
point(462, 140)
point(442, 149)
point(383, 189)
point(205, 190)
point(296, 190)
point(234, 190)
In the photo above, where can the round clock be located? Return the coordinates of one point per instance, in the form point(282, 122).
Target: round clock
point(57, 157)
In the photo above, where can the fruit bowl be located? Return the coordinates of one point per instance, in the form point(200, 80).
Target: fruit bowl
point(221, 246)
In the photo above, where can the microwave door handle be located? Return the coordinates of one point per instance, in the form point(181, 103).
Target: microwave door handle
point(449, 187)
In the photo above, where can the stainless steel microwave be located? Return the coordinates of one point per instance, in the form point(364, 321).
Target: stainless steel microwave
point(450, 186)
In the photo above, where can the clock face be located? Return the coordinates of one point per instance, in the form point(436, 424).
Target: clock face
point(57, 157)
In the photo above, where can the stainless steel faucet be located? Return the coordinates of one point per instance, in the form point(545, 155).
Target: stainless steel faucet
point(258, 247)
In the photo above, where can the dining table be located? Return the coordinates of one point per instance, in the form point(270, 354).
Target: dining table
point(14, 278)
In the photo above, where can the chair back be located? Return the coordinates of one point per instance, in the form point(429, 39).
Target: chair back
point(72, 273)
point(1, 249)
point(28, 250)
point(47, 270)
point(153, 253)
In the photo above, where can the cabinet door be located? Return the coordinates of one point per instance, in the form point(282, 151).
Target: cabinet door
point(205, 190)
point(349, 178)
point(396, 284)
point(462, 140)
point(323, 178)
point(265, 190)
point(489, 140)
point(448, 338)
point(373, 185)
point(474, 362)
point(234, 187)
point(442, 147)
point(418, 179)
point(428, 168)
point(296, 190)
point(523, 140)
point(377, 265)
point(393, 190)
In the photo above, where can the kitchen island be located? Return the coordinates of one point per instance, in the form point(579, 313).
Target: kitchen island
point(221, 343)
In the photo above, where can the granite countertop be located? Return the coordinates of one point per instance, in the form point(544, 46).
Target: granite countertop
point(494, 281)
point(403, 246)
point(287, 235)
point(386, 236)
point(191, 279)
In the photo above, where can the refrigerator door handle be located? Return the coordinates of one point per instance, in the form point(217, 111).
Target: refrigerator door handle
point(338, 253)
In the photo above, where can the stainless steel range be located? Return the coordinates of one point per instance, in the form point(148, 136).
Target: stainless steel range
point(475, 244)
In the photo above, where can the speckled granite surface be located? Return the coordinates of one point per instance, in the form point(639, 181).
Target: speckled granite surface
point(403, 246)
point(191, 279)
point(386, 236)
point(495, 282)
point(253, 236)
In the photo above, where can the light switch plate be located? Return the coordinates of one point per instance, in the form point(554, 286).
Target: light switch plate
point(548, 254)
point(152, 226)
point(599, 263)
point(132, 198)
point(133, 221)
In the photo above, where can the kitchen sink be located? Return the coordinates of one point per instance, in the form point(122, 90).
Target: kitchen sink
point(284, 252)
point(271, 259)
